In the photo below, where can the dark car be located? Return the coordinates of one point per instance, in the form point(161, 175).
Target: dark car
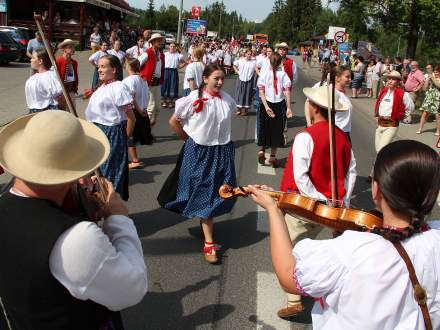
point(294, 52)
point(9, 50)
point(21, 36)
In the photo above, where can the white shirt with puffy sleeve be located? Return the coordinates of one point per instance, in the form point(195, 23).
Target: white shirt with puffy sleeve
point(266, 83)
point(246, 68)
point(42, 89)
point(211, 126)
point(364, 283)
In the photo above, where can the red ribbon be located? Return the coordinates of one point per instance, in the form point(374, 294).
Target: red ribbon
point(275, 84)
point(198, 104)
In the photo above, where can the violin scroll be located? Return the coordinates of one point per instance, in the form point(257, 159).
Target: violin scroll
point(227, 192)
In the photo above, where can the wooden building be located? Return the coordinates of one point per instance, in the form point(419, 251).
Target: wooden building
point(66, 18)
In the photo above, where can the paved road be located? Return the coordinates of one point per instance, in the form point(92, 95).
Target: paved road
point(184, 291)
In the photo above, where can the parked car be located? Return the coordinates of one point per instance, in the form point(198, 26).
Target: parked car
point(294, 52)
point(22, 36)
point(169, 38)
point(9, 50)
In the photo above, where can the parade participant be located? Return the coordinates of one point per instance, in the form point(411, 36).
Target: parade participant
point(392, 105)
point(147, 35)
point(116, 51)
point(95, 40)
point(365, 266)
point(431, 103)
point(308, 171)
point(68, 67)
point(43, 90)
point(203, 120)
point(33, 46)
point(64, 272)
point(342, 80)
point(227, 62)
point(152, 71)
point(274, 86)
point(245, 68)
point(288, 65)
point(170, 87)
point(111, 109)
point(194, 72)
point(138, 88)
point(94, 60)
point(136, 50)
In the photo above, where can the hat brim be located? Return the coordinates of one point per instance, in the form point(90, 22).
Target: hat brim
point(68, 43)
point(150, 40)
point(313, 94)
point(97, 150)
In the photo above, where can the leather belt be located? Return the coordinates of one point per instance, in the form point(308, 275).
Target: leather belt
point(387, 122)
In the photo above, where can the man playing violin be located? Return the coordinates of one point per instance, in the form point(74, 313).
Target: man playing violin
point(61, 271)
point(308, 171)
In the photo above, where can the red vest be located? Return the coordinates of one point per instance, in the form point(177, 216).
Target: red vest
point(319, 170)
point(147, 69)
point(398, 111)
point(62, 67)
point(288, 63)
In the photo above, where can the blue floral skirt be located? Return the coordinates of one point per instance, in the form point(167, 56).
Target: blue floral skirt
point(170, 86)
point(203, 170)
point(115, 169)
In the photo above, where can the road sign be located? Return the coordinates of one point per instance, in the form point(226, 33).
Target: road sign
point(195, 12)
point(340, 37)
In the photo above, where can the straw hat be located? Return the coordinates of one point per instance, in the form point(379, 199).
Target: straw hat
point(282, 45)
point(394, 74)
point(319, 96)
point(66, 42)
point(52, 147)
point(155, 36)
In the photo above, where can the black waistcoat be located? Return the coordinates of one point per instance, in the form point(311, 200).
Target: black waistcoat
point(32, 297)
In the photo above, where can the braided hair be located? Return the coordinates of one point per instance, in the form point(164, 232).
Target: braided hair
point(408, 175)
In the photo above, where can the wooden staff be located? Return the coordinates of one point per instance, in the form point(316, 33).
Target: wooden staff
point(38, 20)
point(332, 135)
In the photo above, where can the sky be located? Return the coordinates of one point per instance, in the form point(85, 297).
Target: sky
point(252, 10)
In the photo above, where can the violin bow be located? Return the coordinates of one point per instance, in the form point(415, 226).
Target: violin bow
point(332, 136)
point(38, 20)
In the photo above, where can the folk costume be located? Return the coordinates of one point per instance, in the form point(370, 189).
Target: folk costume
point(170, 87)
point(244, 88)
point(307, 171)
point(138, 88)
point(153, 72)
point(54, 286)
point(95, 59)
point(121, 57)
point(135, 51)
point(107, 109)
point(42, 90)
point(271, 129)
point(391, 107)
point(68, 70)
point(207, 158)
point(193, 71)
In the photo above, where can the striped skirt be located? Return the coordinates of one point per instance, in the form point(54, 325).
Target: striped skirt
point(170, 86)
point(201, 171)
point(244, 91)
point(115, 169)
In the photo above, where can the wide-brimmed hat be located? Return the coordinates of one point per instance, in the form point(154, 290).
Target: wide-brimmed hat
point(156, 36)
point(52, 147)
point(320, 96)
point(394, 74)
point(66, 42)
point(282, 45)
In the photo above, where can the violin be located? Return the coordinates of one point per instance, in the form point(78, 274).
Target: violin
point(313, 210)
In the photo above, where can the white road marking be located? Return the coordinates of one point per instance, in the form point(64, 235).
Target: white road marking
point(265, 169)
point(262, 220)
point(270, 298)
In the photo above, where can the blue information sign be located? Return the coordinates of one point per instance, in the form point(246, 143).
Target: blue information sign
point(196, 26)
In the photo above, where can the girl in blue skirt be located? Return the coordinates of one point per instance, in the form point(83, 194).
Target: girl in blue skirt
point(203, 120)
point(111, 109)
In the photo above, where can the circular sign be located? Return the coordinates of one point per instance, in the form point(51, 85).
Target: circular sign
point(340, 37)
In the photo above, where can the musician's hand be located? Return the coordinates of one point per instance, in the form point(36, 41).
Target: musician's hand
point(289, 113)
point(115, 204)
point(261, 198)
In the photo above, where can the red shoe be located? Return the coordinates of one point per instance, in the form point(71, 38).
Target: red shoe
point(209, 251)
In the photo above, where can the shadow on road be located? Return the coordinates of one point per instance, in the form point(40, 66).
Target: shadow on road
point(361, 196)
point(163, 310)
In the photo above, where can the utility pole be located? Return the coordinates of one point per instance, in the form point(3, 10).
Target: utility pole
point(179, 25)
point(220, 21)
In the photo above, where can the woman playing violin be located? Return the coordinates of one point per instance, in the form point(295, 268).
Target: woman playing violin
point(359, 278)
